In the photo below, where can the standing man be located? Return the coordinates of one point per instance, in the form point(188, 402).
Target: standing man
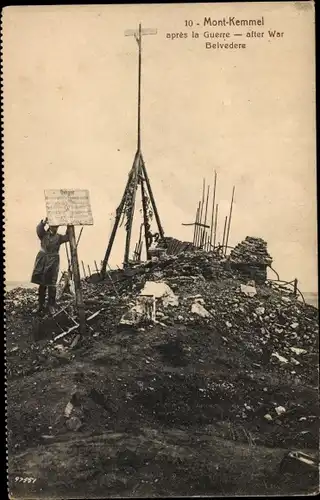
point(47, 263)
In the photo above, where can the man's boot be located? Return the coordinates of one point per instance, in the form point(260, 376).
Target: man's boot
point(52, 299)
point(41, 298)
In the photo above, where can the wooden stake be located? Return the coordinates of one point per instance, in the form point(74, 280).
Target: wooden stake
point(213, 202)
point(215, 225)
point(224, 234)
point(195, 226)
point(77, 280)
point(201, 212)
point(229, 221)
point(89, 270)
point(205, 217)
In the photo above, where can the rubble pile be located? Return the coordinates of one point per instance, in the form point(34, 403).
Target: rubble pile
point(195, 335)
point(251, 258)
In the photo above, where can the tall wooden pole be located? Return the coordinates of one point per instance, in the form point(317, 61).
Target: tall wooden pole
point(224, 234)
point(195, 226)
point(139, 40)
point(77, 280)
point(205, 217)
point(213, 203)
point(201, 211)
point(229, 221)
point(215, 225)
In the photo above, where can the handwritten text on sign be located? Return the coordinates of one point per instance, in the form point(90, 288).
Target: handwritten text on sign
point(68, 207)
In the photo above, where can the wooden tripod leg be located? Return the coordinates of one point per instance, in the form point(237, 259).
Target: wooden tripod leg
point(115, 227)
point(136, 172)
point(145, 219)
point(161, 232)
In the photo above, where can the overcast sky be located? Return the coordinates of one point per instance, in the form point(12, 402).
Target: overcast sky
point(70, 83)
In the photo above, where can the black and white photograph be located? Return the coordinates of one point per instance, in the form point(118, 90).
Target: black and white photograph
point(160, 272)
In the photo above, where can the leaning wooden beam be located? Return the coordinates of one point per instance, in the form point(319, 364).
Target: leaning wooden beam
point(63, 334)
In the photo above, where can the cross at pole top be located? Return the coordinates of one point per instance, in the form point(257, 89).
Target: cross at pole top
point(140, 31)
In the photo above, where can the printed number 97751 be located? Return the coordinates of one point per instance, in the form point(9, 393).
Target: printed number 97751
point(19, 479)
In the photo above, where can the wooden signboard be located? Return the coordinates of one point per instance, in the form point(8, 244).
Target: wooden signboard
point(68, 207)
point(71, 207)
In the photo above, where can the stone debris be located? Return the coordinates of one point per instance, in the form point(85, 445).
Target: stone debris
point(280, 410)
point(236, 340)
point(297, 350)
point(249, 291)
point(282, 359)
point(198, 309)
point(68, 409)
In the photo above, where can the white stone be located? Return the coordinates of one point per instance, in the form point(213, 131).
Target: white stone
point(160, 290)
point(198, 309)
point(249, 291)
point(280, 410)
point(297, 350)
point(280, 358)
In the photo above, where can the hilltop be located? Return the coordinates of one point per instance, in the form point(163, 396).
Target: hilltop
point(201, 390)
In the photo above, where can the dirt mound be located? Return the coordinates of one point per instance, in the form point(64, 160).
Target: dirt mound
point(222, 357)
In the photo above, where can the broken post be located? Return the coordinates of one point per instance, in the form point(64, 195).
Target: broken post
point(77, 280)
point(295, 287)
